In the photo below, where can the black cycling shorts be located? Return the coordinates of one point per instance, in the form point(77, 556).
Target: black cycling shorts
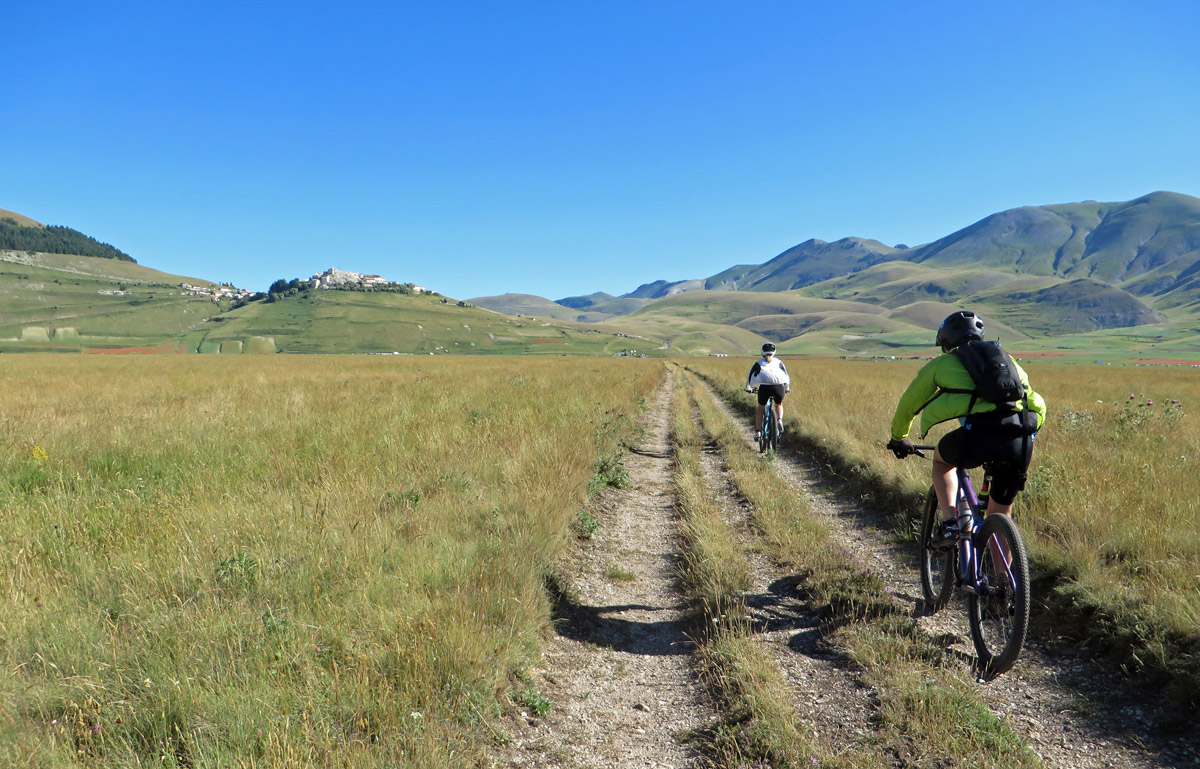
point(771, 391)
point(1003, 443)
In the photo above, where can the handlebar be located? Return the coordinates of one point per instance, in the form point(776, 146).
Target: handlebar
point(918, 450)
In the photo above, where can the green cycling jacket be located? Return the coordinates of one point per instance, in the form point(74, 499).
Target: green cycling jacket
point(946, 371)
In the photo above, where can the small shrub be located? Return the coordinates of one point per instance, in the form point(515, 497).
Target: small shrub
point(239, 571)
point(532, 701)
point(585, 524)
point(609, 472)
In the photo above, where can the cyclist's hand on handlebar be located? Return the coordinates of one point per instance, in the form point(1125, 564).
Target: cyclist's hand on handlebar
point(749, 389)
point(901, 448)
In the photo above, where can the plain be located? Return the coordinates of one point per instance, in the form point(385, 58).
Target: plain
point(286, 560)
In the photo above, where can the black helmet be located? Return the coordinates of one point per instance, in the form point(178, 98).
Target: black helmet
point(960, 328)
point(768, 348)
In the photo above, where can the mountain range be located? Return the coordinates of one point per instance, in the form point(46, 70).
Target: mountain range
point(1046, 271)
point(1122, 278)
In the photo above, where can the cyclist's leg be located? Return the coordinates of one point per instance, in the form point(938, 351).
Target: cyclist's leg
point(779, 409)
point(1007, 479)
point(945, 485)
point(957, 448)
point(758, 417)
point(1010, 456)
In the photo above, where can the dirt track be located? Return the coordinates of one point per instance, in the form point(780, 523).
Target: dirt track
point(620, 676)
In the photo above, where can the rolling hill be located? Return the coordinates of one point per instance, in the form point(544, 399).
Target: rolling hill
point(1079, 276)
point(60, 302)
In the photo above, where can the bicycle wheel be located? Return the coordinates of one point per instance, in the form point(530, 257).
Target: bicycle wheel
point(939, 560)
point(764, 440)
point(1000, 613)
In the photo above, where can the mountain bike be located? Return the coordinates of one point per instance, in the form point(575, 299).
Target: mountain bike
point(987, 559)
point(768, 439)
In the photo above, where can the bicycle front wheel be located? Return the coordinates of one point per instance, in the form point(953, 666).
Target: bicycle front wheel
point(1000, 612)
point(939, 558)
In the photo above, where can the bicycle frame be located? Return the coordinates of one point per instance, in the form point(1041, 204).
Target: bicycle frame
point(992, 568)
point(969, 577)
point(770, 435)
point(968, 558)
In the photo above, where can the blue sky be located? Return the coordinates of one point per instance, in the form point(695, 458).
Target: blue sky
point(556, 148)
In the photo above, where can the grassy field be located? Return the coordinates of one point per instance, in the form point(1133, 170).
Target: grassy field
point(286, 561)
point(53, 303)
point(1110, 509)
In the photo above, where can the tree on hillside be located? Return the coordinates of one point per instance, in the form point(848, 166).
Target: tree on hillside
point(55, 240)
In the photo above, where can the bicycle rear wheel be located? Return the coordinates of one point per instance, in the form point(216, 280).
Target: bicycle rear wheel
point(939, 559)
point(1000, 613)
point(764, 440)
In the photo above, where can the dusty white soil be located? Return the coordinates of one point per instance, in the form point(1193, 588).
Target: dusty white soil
point(619, 671)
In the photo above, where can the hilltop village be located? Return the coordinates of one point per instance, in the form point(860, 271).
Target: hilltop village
point(332, 278)
point(335, 278)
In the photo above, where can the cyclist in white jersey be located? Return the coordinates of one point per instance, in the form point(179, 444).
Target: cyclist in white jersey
point(771, 378)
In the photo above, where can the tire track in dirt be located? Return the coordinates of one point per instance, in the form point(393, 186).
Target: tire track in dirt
point(1073, 712)
point(836, 708)
point(619, 668)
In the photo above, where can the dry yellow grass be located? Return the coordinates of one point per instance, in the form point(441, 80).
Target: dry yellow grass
point(278, 562)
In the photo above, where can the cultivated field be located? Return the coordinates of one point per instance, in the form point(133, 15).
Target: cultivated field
point(1110, 510)
point(286, 561)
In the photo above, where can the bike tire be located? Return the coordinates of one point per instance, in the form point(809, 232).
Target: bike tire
point(1000, 614)
point(939, 564)
point(764, 440)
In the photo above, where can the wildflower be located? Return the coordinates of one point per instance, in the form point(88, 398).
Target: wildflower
point(1149, 403)
point(416, 714)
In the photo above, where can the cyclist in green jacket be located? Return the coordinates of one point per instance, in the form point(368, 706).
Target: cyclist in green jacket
point(999, 435)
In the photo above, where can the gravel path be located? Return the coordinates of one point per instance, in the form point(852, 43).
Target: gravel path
point(619, 671)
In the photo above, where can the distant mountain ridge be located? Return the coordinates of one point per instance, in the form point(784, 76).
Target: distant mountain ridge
point(1105, 265)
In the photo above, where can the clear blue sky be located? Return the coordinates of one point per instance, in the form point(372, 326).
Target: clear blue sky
point(560, 148)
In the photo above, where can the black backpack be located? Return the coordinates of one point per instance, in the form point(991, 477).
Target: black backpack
point(995, 378)
point(994, 374)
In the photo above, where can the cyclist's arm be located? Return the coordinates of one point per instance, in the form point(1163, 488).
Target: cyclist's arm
point(753, 373)
point(919, 391)
point(1037, 404)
